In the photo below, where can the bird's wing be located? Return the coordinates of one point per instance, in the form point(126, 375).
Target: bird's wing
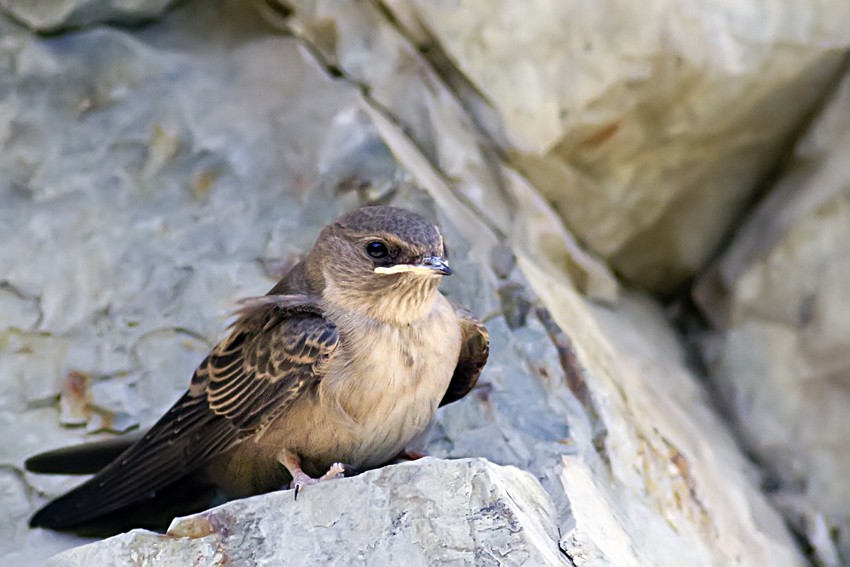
point(272, 354)
point(474, 350)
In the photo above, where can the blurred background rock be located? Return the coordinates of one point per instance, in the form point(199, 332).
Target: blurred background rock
point(649, 202)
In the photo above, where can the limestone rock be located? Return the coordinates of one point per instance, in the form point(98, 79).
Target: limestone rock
point(780, 300)
point(152, 177)
point(630, 398)
point(656, 468)
point(648, 124)
point(52, 15)
point(431, 512)
point(358, 39)
point(142, 177)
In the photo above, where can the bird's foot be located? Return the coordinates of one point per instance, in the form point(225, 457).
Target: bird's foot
point(300, 479)
point(337, 470)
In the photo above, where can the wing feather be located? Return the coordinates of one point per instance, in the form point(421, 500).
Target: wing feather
point(272, 355)
point(474, 350)
point(168, 451)
point(282, 349)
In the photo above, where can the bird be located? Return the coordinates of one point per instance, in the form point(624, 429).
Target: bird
point(334, 371)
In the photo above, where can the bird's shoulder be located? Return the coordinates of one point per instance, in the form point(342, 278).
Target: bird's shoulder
point(272, 355)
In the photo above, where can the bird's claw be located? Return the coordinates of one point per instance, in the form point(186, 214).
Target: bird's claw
point(337, 470)
point(300, 479)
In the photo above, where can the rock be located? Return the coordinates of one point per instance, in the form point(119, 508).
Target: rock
point(656, 469)
point(128, 231)
point(16, 310)
point(780, 302)
point(358, 39)
point(641, 135)
point(152, 177)
point(618, 412)
point(430, 512)
point(622, 404)
point(52, 16)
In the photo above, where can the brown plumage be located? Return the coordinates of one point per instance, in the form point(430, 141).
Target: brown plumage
point(341, 364)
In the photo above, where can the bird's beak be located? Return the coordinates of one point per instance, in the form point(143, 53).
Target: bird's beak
point(431, 265)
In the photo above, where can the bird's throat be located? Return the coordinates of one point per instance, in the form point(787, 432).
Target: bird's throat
point(403, 301)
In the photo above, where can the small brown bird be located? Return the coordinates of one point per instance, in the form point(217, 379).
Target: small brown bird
point(340, 365)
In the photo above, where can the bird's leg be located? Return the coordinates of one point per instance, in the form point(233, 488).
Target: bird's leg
point(300, 479)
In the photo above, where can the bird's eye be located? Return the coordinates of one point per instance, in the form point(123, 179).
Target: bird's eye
point(377, 250)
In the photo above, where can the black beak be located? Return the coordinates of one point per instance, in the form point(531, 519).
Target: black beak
point(437, 264)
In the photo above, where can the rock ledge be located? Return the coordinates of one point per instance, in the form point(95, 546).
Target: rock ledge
point(431, 512)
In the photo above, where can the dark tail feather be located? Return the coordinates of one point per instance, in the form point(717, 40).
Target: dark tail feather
point(88, 458)
point(186, 438)
point(188, 495)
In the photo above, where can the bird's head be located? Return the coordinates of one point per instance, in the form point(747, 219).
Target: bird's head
point(382, 262)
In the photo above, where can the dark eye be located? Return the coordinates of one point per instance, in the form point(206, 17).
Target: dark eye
point(377, 250)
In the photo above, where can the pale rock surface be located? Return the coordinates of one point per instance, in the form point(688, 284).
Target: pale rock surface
point(148, 181)
point(431, 512)
point(647, 124)
point(780, 300)
point(152, 177)
point(357, 38)
point(52, 15)
point(659, 481)
point(643, 477)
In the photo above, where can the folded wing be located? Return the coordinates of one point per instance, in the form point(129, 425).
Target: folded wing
point(272, 355)
point(474, 350)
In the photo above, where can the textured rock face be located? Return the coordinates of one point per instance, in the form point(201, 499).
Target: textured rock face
point(149, 180)
point(51, 15)
point(152, 177)
point(431, 512)
point(781, 299)
point(648, 138)
point(359, 40)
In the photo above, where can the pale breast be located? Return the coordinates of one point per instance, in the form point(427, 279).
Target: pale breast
point(380, 389)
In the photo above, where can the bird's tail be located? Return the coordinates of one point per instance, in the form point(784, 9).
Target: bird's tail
point(86, 458)
point(186, 438)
